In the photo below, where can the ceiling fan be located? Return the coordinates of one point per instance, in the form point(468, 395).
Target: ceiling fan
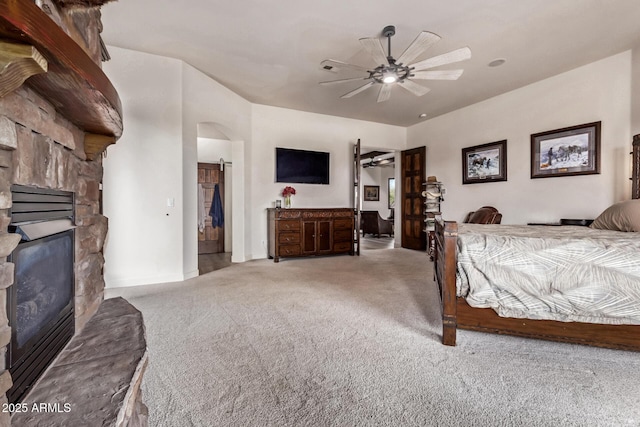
point(392, 71)
point(374, 159)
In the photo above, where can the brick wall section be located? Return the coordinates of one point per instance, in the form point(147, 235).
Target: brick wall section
point(40, 148)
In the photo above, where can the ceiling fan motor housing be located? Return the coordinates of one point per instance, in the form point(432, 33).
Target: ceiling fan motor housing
point(398, 71)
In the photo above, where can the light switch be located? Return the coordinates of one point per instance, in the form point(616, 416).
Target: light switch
point(171, 202)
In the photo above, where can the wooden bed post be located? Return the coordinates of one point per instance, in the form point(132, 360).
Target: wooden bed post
point(445, 270)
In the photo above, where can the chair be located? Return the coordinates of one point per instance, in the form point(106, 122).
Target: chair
point(373, 223)
point(484, 215)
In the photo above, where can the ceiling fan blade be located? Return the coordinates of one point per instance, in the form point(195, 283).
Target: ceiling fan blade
point(358, 90)
point(373, 46)
point(446, 58)
point(414, 88)
point(423, 42)
point(437, 75)
point(330, 82)
point(385, 92)
point(335, 65)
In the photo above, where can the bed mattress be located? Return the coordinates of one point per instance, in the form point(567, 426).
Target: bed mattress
point(567, 273)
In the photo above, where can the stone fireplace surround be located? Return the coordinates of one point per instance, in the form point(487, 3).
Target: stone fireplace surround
point(55, 121)
point(29, 155)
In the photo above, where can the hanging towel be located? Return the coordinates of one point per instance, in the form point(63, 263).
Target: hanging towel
point(216, 213)
point(201, 208)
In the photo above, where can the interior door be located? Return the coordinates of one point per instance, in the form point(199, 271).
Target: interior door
point(413, 216)
point(211, 239)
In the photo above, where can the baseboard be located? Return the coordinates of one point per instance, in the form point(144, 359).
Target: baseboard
point(191, 274)
point(126, 282)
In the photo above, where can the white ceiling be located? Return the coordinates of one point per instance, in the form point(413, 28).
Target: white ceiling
point(270, 52)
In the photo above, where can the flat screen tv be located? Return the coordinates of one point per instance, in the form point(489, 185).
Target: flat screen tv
point(302, 166)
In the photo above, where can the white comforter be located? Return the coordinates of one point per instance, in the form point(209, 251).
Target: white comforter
point(566, 273)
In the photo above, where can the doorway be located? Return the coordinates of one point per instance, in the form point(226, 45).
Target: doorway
point(211, 224)
point(377, 198)
point(214, 167)
point(211, 242)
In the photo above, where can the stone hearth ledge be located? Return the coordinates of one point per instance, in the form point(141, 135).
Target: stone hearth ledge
point(96, 379)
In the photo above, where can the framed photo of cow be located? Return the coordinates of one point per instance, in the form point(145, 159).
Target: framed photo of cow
point(485, 163)
point(565, 152)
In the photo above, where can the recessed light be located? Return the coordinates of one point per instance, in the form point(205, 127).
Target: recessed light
point(423, 115)
point(497, 62)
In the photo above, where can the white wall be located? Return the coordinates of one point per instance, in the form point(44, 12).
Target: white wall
point(600, 91)
point(279, 127)
point(143, 170)
point(377, 176)
point(164, 100)
point(211, 150)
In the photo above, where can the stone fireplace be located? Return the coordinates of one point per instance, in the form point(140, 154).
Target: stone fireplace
point(58, 113)
point(31, 156)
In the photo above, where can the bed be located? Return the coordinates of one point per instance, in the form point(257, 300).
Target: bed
point(569, 284)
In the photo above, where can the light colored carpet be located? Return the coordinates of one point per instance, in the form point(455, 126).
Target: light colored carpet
point(370, 242)
point(355, 341)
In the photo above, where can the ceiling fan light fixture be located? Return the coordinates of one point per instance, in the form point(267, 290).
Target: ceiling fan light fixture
point(389, 77)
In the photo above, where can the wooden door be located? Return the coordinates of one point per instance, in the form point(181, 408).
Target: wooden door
point(309, 237)
point(413, 175)
point(211, 239)
point(325, 238)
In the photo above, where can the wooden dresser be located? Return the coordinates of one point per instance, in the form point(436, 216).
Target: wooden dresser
point(305, 232)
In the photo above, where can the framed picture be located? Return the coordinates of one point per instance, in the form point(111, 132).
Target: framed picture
point(371, 193)
point(392, 192)
point(485, 163)
point(565, 152)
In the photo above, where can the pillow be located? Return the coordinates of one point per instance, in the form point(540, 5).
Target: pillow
point(622, 216)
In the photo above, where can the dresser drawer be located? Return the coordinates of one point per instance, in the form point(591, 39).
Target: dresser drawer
point(288, 225)
point(342, 223)
point(289, 237)
point(289, 250)
point(342, 235)
point(342, 247)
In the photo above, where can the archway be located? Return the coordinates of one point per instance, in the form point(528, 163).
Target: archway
point(217, 144)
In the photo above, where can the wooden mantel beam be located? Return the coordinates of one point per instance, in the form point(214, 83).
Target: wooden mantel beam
point(75, 85)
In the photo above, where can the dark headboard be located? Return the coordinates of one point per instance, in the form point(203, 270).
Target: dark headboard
point(635, 178)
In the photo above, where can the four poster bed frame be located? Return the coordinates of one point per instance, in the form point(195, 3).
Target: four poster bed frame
point(457, 314)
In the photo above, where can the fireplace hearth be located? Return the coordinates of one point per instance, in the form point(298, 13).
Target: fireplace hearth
point(40, 304)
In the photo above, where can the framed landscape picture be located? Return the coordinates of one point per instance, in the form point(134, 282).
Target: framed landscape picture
point(485, 163)
point(371, 193)
point(565, 152)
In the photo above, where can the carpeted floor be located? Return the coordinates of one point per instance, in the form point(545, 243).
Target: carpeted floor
point(354, 341)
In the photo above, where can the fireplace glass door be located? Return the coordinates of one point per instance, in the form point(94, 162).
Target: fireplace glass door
point(44, 283)
point(40, 304)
